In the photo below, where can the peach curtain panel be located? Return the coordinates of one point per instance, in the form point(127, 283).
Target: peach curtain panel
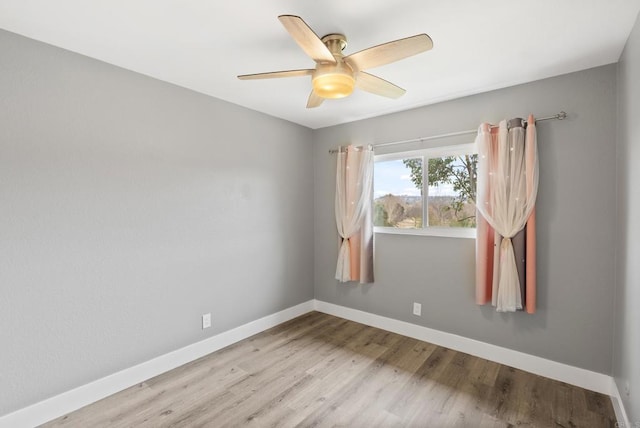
point(354, 187)
point(506, 228)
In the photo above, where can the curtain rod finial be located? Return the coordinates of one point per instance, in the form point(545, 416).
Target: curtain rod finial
point(562, 115)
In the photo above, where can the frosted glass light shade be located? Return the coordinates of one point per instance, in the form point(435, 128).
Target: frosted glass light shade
point(333, 80)
point(333, 85)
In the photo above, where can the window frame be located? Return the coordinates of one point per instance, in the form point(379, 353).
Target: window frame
point(427, 153)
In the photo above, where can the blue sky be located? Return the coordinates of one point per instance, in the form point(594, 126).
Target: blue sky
point(393, 177)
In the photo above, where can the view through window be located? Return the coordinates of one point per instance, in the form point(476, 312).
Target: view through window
point(408, 196)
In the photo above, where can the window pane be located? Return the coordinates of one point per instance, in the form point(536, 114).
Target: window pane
point(452, 191)
point(397, 193)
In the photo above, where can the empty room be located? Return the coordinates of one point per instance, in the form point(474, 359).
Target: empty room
point(319, 214)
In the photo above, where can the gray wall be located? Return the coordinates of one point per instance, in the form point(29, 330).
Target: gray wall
point(626, 354)
point(576, 217)
point(129, 207)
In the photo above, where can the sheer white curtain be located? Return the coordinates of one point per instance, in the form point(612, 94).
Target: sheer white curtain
point(354, 184)
point(506, 194)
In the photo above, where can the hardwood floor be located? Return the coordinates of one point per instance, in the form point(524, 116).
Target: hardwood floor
point(321, 371)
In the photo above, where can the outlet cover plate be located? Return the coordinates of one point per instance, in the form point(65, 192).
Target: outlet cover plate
point(417, 309)
point(206, 321)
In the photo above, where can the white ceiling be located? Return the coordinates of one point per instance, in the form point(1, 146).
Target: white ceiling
point(203, 45)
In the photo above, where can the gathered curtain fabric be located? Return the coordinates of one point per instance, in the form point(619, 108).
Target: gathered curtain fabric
point(507, 187)
point(354, 186)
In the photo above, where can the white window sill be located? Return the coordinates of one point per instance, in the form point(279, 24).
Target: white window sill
point(446, 232)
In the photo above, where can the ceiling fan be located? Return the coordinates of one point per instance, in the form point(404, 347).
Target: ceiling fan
point(335, 75)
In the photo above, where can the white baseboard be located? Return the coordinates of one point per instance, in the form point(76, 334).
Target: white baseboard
point(587, 379)
point(618, 406)
point(69, 401)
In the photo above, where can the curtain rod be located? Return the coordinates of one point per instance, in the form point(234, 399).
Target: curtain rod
point(560, 116)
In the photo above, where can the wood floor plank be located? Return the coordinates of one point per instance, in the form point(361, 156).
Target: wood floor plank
point(109, 408)
point(411, 399)
point(352, 402)
point(322, 371)
point(179, 397)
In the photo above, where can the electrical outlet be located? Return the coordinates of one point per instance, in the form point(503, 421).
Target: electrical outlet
point(627, 389)
point(206, 321)
point(417, 309)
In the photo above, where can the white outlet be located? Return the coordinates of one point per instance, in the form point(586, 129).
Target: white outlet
point(627, 388)
point(206, 321)
point(417, 309)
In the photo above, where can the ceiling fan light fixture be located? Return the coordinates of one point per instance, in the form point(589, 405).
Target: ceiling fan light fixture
point(334, 81)
point(335, 74)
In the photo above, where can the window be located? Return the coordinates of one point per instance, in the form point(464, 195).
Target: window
point(438, 200)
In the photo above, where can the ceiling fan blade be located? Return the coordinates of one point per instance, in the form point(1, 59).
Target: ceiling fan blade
point(276, 74)
point(375, 85)
point(307, 39)
point(314, 100)
point(389, 52)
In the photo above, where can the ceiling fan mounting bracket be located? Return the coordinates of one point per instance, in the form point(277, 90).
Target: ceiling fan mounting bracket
point(335, 39)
